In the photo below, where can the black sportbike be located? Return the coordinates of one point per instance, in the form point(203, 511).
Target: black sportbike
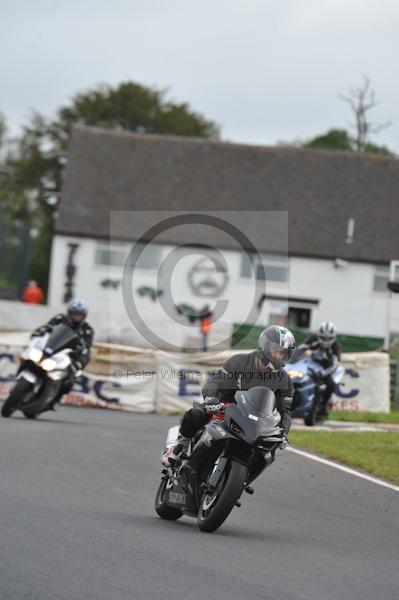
point(223, 459)
point(45, 367)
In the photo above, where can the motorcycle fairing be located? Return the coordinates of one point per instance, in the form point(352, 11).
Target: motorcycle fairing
point(253, 417)
point(61, 336)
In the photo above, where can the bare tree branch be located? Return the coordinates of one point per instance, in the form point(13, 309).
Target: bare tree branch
point(361, 100)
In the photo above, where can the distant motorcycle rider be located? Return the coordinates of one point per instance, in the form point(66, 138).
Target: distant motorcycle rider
point(326, 351)
point(263, 367)
point(76, 319)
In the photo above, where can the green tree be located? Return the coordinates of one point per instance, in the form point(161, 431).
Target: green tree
point(132, 107)
point(370, 148)
point(15, 221)
point(360, 100)
point(340, 139)
point(31, 174)
point(334, 139)
point(3, 130)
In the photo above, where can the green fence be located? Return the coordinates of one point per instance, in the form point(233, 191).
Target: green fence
point(246, 336)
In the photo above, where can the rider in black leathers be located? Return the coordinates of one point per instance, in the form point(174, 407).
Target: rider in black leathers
point(327, 351)
point(263, 367)
point(76, 319)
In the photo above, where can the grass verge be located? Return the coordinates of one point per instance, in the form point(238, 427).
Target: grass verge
point(374, 452)
point(366, 417)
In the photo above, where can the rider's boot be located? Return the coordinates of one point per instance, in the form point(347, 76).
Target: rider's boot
point(175, 452)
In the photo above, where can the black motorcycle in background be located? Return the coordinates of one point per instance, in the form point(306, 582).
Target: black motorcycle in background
point(45, 367)
point(223, 459)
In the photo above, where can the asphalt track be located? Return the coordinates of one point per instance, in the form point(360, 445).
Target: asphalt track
point(77, 522)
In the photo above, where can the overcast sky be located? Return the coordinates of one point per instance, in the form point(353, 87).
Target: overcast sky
point(265, 70)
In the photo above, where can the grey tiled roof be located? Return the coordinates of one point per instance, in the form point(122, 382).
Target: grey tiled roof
point(120, 171)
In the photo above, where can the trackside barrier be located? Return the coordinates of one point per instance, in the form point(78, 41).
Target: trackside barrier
point(145, 380)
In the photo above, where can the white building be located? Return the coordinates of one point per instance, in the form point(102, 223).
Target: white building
point(320, 230)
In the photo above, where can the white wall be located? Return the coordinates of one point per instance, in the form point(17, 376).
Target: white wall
point(18, 316)
point(345, 294)
point(107, 309)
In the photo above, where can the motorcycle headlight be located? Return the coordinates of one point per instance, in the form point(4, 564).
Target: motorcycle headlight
point(35, 355)
point(48, 364)
point(295, 374)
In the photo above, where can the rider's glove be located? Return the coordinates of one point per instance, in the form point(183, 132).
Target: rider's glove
point(317, 375)
point(284, 442)
point(38, 332)
point(41, 331)
point(212, 405)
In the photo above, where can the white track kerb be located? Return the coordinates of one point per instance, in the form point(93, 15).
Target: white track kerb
point(348, 470)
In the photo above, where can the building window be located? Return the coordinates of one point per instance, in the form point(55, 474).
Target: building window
point(110, 254)
point(277, 319)
point(268, 268)
point(299, 317)
point(381, 276)
point(117, 254)
point(150, 258)
point(246, 266)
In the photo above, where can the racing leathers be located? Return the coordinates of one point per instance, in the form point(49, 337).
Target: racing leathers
point(241, 372)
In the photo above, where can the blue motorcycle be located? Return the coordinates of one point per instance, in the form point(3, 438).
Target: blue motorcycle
point(309, 387)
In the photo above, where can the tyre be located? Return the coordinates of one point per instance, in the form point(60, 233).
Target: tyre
point(17, 393)
point(310, 420)
point(216, 506)
point(317, 415)
point(320, 418)
point(163, 510)
point(29, 415)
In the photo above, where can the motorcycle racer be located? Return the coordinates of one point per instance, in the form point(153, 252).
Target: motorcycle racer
point(262, 367)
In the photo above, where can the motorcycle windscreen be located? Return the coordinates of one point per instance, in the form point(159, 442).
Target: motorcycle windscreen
point(338, 374)
point(258, 400)
point(251, 415)
point(61, 336)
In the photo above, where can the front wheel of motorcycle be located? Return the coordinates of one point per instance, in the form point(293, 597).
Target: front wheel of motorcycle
point(216, 506)
point(16, 395)
point(321, 418)
point(310, 419)
point(163, 510)
point(317, 416)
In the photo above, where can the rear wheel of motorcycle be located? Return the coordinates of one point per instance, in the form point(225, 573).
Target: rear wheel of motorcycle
point(163, 510)
point(215, 507)
point(17, 393)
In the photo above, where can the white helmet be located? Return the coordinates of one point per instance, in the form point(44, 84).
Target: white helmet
point(327, 333)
